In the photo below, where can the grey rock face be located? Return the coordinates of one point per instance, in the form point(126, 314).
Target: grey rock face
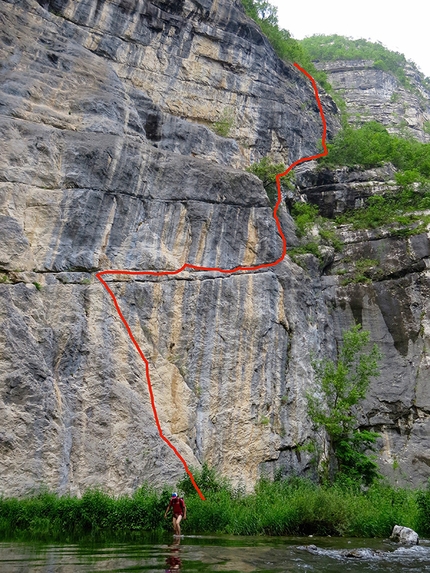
point(404, 535)
point(102, 167)
point(196, 62)
point(338, 190)
point(373, 94)
point(108, 162)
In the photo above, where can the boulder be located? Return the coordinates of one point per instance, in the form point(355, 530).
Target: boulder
point(404, 535)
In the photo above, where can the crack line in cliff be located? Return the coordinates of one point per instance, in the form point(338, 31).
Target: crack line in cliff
point(239, 268)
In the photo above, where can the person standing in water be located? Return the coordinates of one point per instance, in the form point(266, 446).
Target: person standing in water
point(177, 505)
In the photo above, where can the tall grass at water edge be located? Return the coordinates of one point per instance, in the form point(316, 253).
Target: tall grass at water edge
point(285, 507)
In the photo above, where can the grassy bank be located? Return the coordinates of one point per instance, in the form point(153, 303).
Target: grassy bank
point(288, 507)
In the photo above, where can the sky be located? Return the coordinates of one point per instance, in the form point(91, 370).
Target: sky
point(400, 27)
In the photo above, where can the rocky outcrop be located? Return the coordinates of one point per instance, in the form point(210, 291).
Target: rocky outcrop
point(338, 190)
point(373, 94)
point(381, 279)
point(108, 162)
point(404, 535)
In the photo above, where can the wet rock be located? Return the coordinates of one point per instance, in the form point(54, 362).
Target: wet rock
point(404, 535)
point(310, 548)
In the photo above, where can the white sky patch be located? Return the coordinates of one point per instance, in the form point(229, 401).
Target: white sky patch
point(401, 27)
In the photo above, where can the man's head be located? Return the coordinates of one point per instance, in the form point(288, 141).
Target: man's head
point(174, 495)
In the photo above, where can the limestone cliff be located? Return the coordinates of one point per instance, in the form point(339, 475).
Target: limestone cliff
point(381, 279)
point(108, 161)
point(374, 94)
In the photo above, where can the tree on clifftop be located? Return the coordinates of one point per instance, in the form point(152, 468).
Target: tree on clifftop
point(340, 385)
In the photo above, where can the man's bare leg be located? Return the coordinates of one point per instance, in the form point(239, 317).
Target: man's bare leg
point(178, 526)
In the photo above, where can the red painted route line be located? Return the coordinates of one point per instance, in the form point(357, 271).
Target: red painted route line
point(185, 266)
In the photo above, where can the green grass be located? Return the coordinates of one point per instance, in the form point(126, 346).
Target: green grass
point(282, 507)
point(50, 517)
point(225, 124)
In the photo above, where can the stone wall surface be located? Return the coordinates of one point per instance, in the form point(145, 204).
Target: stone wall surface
point(381, 280)
point(372, 94)
point(108, 162)
point(102, 167)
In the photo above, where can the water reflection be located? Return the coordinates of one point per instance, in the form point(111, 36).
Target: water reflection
point(173, 561)
point(218, 554)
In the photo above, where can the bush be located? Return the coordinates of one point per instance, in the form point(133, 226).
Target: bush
point(371, 145)
point(293, 506)
point(266, 16)
point(267, 171)
point(340, 385)
point(224, 125)
point(305, 216)
point(394, 208)
point(423, 502)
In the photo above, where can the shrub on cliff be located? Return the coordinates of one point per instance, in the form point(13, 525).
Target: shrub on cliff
point(371, 145)
point(267, 170)
point(266, 16)
point(340, 385)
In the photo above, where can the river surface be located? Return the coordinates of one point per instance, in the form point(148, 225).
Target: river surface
point(217, 553)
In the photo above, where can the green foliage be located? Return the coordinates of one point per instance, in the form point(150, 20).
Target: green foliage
point(371, 145)
point(426, 127)
point(206, 478)
point(225, 123)
point(396, 208)
point(353, 462)
point(360, 273)
point(296, 506)
point(49, 517)
point(266, 16)
point(311, 248)
point(423, 502)
point(306, 216)
point(341, 384)
point(267, 171)
point(335, 47)
point(290, 506)
point(38, 285)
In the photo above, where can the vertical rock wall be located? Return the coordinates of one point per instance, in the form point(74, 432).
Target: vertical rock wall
point(372, 94)
point(102, 167)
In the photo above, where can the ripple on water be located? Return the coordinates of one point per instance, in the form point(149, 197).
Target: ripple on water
point(217, 554)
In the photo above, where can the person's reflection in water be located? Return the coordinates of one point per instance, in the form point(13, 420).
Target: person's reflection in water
point(174, 559)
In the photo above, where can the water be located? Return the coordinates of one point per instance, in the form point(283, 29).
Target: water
point(218, 554)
